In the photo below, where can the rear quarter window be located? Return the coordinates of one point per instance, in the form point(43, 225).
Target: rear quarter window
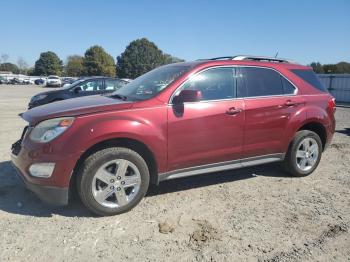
point(310, 77)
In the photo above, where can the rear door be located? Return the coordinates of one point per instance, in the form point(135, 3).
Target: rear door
point(270, 101)
point(211, 130)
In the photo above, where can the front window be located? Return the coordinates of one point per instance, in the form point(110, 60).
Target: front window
point(92, 85)
point(151, 83)
point(214, 84)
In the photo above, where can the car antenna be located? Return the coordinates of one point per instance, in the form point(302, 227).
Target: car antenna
point(276, 54)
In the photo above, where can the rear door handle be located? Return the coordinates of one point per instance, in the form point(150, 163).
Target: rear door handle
point(233, 111)
point(291, 103)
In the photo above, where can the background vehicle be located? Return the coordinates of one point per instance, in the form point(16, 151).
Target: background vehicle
point(53, 81)
point(175, 121)
point(79, 88)
point(2, 80)
point(39, 81)
point(15, 81)
point(67, 81)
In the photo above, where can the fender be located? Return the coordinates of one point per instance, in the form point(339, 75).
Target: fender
point(308, 114)
point(90, 130)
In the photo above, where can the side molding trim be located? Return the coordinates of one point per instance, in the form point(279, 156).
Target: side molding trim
point(216, 167)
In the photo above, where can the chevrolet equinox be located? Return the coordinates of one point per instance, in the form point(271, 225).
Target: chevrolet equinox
point(177, 120)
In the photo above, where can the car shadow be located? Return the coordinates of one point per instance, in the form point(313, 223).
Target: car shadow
point(16, 199)
point(345, 131)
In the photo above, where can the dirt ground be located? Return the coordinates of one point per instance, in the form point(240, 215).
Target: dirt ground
point(255, 214)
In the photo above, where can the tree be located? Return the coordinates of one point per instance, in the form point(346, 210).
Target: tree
point(343, 68)
point(48, 64)
point(98, 62)
point(141, 56)
point(31, 71)
point(317, 67)
point(4, 58)
point(9, 67)
point(74, 65)
point(339, 68)
point(22, 65)
point(169, 59)
point(330, 69)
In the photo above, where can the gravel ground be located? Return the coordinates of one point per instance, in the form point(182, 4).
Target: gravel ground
point(255, 214)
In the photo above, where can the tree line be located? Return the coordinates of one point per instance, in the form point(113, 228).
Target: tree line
point(139, 57)
point(339, 68)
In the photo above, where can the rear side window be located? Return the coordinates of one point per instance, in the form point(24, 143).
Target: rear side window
point(254, 81)
point(288, 88)
point(310, 77)
point(112, 84)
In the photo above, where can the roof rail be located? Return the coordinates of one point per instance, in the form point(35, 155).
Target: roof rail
point(254, 58)
point(262, 58)
point(218, 58)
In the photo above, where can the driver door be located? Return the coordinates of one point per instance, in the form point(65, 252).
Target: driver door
point(208, 131)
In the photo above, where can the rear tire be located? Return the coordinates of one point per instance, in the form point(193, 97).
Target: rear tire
point(113, 181)
point(304, 154)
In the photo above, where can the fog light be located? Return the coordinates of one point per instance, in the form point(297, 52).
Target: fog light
point(42, 169)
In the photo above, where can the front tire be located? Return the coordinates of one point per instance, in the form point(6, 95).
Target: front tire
point(304, 154)
point(113, 181)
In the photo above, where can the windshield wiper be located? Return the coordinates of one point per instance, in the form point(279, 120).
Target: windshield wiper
point(118, 96)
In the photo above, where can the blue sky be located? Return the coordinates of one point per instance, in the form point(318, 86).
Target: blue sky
point(304, 31)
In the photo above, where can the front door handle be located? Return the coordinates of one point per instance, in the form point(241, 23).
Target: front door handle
point(233, 111)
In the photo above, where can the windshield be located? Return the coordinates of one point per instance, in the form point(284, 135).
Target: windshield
point(76, 82)
point(151, 83)
point(53, 77)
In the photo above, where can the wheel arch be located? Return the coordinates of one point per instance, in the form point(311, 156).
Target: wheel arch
point(318, 128)
point(133, 144)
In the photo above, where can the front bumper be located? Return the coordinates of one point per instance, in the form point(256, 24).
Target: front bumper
point(52, 195)
point(53, 189)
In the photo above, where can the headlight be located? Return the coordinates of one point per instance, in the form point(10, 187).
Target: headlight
point(50, 129)
point(38, 97)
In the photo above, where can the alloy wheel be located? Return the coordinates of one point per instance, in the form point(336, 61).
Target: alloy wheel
point(116, 183)
point(307, 154)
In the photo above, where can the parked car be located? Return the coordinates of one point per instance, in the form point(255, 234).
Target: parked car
point(67, 81)
point(53, 81)
point(39, 81)
point(82, 87)
point(2, 80)
point(28, 81)
point(178, 120)
point(15, 81)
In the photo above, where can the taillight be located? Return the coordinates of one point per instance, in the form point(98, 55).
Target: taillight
point(331, 104)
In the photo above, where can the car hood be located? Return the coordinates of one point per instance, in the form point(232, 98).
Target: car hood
point(47, 93)
point(74, 107)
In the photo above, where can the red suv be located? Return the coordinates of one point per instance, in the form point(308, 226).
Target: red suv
point(178, 120)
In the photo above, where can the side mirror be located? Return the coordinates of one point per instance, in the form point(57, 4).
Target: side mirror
point(187, 96)
point(77, 89)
